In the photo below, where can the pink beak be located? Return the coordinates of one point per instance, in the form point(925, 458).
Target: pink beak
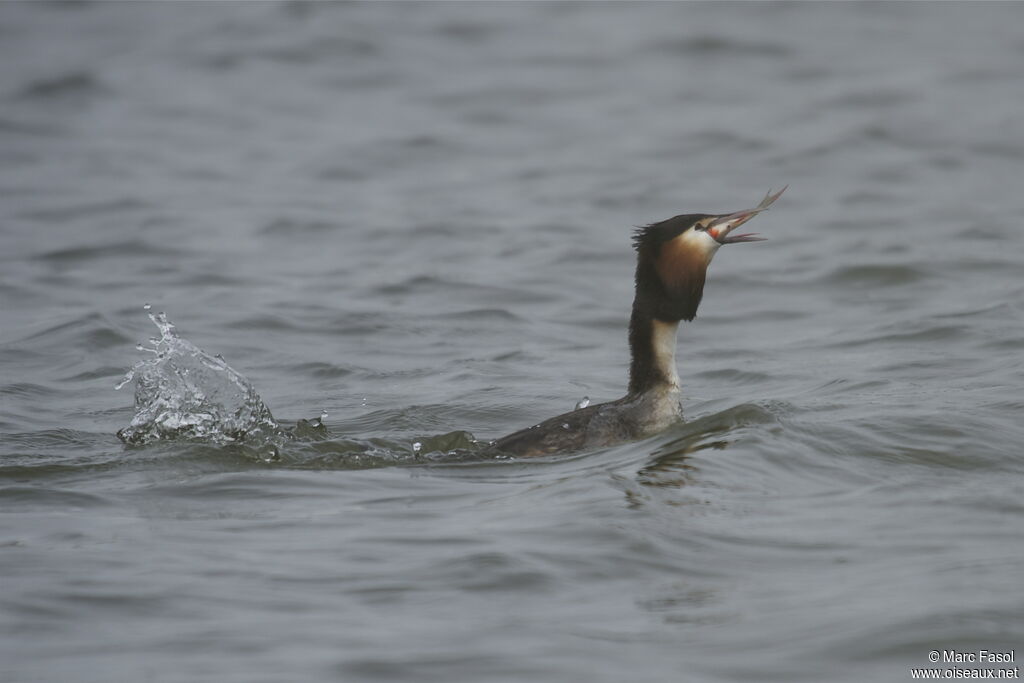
point(723, 225)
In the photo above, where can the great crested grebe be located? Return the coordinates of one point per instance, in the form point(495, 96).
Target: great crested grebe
point(672, 259)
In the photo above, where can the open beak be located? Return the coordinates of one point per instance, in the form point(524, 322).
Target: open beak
point(723, 225)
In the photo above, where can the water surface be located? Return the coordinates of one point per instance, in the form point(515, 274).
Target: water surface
point(416, 218)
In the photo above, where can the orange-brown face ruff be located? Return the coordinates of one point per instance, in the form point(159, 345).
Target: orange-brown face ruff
point(682, 262)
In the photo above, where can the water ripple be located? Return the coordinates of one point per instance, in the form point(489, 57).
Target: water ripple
point(889, 275)
point(75, 85)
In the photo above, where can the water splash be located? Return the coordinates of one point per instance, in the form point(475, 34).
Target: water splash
point(182, 392)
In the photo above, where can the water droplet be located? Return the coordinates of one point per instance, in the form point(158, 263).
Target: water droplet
point(128, 377)
point(269, 453)
point(583, 402)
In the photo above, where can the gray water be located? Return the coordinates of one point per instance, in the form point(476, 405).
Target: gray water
point(416, 218)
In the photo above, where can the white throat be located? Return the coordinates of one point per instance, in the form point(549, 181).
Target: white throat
point(663, 345)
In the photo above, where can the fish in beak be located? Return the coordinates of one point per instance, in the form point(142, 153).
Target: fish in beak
point(721, 226)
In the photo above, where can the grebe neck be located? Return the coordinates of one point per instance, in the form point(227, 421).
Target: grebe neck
point(652, 347)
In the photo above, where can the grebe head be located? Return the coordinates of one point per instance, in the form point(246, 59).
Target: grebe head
point(673, 257)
